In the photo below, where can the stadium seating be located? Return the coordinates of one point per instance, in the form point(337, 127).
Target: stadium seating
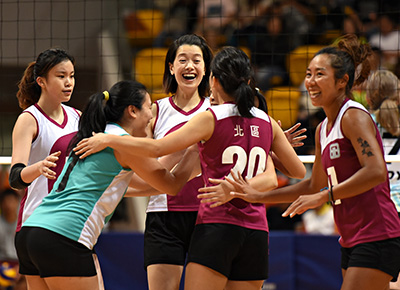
point(148, 68)
point(297, 62)
point(142, 26)
point(283, 104)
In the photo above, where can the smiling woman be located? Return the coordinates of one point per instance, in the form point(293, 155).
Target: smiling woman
point(186, 76)
point(55, 244)
point(349, 171)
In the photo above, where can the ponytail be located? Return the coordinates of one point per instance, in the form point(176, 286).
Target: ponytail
point(108, 106)
point(231, 66)
point(28, 89)
point(349, 56)
point(388, 116)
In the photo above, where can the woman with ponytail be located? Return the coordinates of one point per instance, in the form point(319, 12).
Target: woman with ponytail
point(43, 130)
point(349, 171)
point(229, 246)
point(55, 244)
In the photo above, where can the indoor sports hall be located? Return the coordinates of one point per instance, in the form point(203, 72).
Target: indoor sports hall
point(114, 40)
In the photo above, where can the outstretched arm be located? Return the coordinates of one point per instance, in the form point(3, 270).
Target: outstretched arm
point(156, 175)
point(199, 128)
point(315, 183)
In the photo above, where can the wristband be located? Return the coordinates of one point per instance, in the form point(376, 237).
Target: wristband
point(331, 199)
point(329, 193)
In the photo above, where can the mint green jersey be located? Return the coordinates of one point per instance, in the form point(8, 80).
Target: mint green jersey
point(93, 190)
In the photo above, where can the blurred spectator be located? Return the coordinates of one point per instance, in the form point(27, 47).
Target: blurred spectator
point(215, 20)
point(9, 203)
point(9, 277)
point(387, 40)
point(179, 20)
point(251, 12)
point(268, 54)
point(299, 19)
point(319, 220)
point(352, 25)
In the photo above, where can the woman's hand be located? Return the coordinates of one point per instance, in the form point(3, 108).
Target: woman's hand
point(305, 202)
point(228, 189)
point(293, 136)
point(216, 195)
point(243, 190)
point(89, 146)
point(45, 165)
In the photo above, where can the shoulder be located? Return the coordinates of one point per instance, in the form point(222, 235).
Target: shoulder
point(26, 118)
point(115, 129)
point(356, 121)
point(71, 110)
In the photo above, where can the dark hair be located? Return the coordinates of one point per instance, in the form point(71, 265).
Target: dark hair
point(346, 56)
point(29, 91)
point(169, 81)
point(262, 102)
point(231, 66)
point(99, 111)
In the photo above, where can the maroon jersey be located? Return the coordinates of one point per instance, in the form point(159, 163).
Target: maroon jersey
point(367, 217)
point(241, 144)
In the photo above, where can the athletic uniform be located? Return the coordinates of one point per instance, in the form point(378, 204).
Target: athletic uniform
point(81, 203)
point(170, 219)
point(51, 137)
point(233, 238)
point(368, 217)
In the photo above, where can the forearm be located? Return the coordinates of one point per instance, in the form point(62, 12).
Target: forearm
point(185, 169)
point(132, 192)
point(362, 181)
point(288, 193)
point(31, 172)
point(279, 165)
point(139, 187)
point(264, 182)
point(133, 145)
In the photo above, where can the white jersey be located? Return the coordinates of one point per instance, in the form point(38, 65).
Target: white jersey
point(170, 118)
point(51, 137)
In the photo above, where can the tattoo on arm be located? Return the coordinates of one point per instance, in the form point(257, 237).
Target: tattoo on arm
point(366, 149)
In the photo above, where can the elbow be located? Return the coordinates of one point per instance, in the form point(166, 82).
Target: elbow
point(172, 191)
point(156, 151)
point(172, 188)
point(383, 176)
point(378, 176)
point(274, 184)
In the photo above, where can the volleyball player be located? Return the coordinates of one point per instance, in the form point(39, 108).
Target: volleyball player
point(229, 247)
point(55, 243)
point(349, 171)
point(170, 220)
point(43, 130)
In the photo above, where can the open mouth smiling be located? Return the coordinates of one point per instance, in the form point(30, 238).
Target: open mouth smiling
point(189, 76)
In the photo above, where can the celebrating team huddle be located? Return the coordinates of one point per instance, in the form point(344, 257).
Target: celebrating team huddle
point(208, 166)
